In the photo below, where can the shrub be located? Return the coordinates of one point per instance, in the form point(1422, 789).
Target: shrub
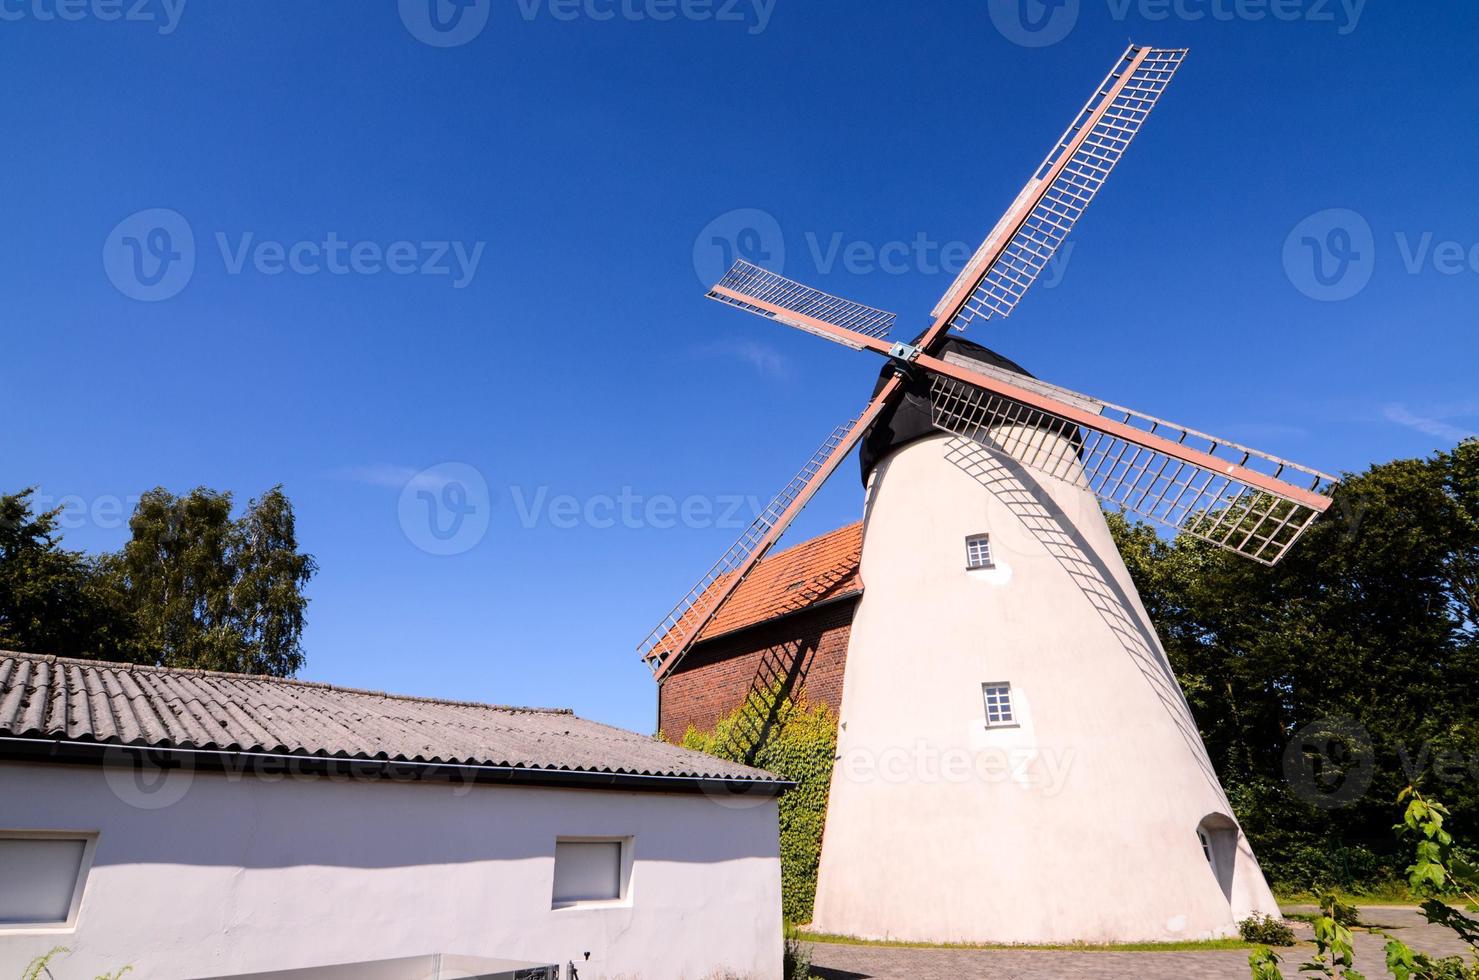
point(1343, 913)
point(797, 960)
point(796, 741)
point(1440, 872)
point(1266, 930)
point(41, 966)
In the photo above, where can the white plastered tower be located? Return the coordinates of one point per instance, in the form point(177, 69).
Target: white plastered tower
point(1091, 814)
point(1094, 814)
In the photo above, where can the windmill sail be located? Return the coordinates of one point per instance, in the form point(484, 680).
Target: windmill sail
point(680, 628)
point(1234, 497)
point(1045, 212)
point(1125, 457)
point(764, 293)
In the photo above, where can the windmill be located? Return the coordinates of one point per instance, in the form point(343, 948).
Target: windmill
point(999, 627)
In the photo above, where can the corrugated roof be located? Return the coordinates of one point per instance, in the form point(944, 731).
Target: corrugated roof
point(813, 571)
point(52, 698)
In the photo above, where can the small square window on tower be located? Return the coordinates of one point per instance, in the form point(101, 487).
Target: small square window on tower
point(999, 710)
point(978, 551)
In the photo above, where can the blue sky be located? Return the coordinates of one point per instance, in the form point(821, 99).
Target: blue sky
point(522, 212)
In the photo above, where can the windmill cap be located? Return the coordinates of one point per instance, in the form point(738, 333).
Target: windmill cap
point(909, 419)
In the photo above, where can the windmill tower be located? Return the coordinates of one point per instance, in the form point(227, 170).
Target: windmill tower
point(1016, 761)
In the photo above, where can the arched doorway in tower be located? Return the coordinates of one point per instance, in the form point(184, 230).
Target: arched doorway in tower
point(1217, 835)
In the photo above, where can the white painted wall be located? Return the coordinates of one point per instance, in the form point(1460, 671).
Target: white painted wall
point(1080, 823)
point(247, 874)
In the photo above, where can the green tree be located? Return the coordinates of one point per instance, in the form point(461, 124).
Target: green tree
point(52, 599)
point(214, 592)
point(796, 741)
point(193, 587)
point(1439, 873)
point(1373, 617)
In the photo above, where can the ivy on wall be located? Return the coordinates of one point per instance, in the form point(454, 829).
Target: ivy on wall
point(795, 741)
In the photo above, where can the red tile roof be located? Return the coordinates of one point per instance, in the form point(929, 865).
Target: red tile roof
point(811, 572)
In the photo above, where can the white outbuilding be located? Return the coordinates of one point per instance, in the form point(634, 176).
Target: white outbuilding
point(194, 824)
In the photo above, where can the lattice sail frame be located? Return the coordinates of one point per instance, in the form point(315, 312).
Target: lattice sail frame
point(1032, 246)
point(1254, 522)
point(755, 290)
point(1214, 506)
point(676, 629)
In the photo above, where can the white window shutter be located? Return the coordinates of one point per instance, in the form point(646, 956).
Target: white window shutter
point(38, 877)
point(587, 871)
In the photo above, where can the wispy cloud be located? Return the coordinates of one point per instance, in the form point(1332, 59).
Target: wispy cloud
point(1435, 422)
point(764, 359)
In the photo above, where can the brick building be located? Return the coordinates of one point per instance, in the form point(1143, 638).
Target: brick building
point(787, 624)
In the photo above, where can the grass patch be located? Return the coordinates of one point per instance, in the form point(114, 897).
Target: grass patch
point(1389, 893)
point(1193, 946)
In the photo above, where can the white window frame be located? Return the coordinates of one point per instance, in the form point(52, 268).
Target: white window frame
point(84, 868)
point(1205, 837)
point(990, 698)
point(978, 552)
point(624, 880)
